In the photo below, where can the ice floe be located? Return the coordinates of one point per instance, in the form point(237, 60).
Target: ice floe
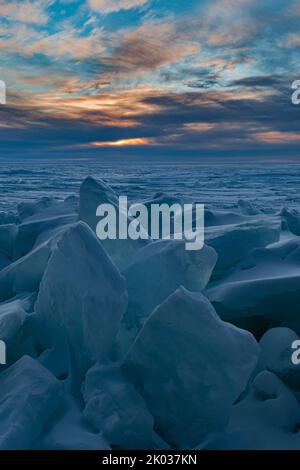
point(161, 267)
point(92, 194)
point(190, 367)
point(265, 285)
point(29, 395)
point(83, 293)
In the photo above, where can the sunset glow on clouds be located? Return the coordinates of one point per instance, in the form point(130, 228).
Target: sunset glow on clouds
point(99, 77)
point(121, 143)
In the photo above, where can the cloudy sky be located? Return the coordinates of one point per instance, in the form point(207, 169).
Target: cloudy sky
point(150, 78)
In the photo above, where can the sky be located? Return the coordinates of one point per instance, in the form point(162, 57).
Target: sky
point(142, 79)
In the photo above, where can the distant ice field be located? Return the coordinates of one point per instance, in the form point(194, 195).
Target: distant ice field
point(269, 187)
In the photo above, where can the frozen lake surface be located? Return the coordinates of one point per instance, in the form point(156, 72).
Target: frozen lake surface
point(267, 186)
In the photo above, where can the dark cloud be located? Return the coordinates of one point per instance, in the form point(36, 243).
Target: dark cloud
point(259, 81)
point(207, 122)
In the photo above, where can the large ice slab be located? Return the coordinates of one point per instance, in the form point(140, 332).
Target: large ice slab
point(92, 194)
point(29, 395)
point(41, 221)
point(157, 271)
point(266, 285)
point(114, 407)
point(190, 367)
point(83, 294)
point(13, 314)
point(233, 242)
point(25, 274)
point(30, 231)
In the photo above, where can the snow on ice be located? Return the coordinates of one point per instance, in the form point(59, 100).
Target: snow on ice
point(140, 343)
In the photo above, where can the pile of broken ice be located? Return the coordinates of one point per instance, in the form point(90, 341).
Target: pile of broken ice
point(126, 344)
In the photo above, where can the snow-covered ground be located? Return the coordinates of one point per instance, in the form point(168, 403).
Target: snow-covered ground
point(144, 345)
point(269, 186)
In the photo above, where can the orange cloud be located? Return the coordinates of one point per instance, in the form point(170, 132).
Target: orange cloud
point(120, 109)
point(122, 142)
point(277, 137)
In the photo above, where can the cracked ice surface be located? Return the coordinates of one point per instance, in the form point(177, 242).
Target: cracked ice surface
point(146, 345)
